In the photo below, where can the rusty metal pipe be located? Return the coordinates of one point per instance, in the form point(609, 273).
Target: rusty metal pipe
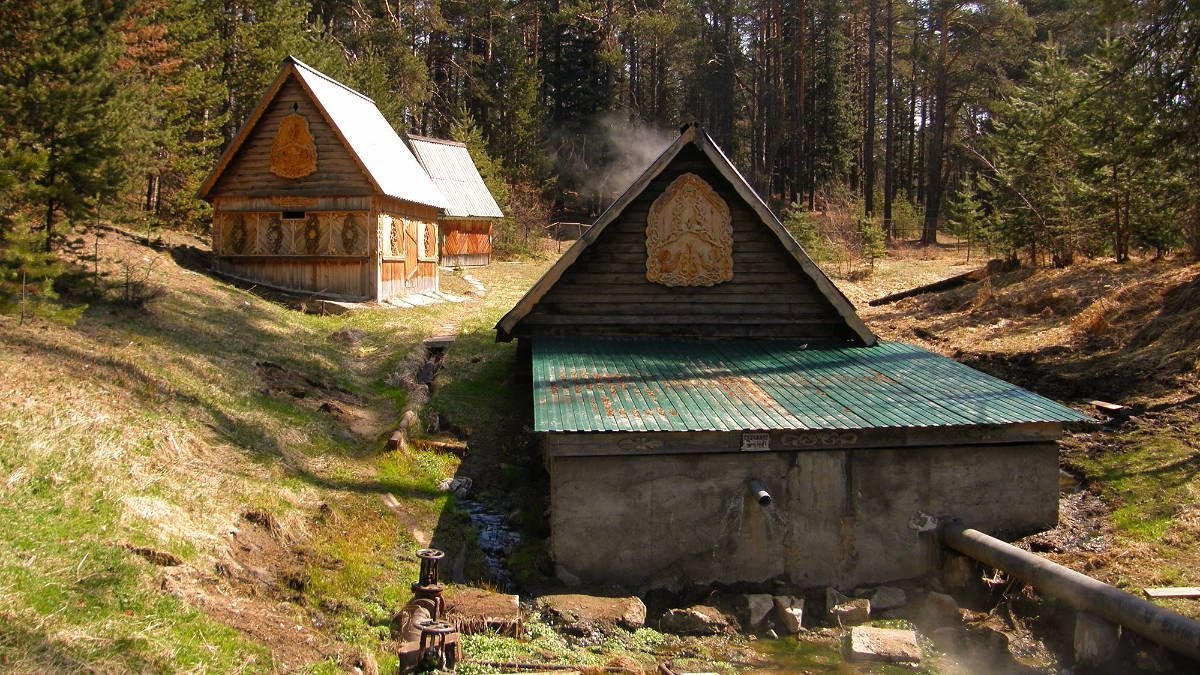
point(760, 493)
point(1080, 591)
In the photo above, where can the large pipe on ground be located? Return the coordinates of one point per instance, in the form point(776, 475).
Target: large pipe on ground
point(1080, 591)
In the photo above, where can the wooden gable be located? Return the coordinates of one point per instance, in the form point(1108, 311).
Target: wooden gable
point(602, 285)
point(248, 171)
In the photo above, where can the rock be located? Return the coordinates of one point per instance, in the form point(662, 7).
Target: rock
point(891, 645)
point(1153, 659)
point(580, 614)
point(756, 607)
point(853, 611)
point(1096, 640)
point(958, 571)
point(887, 597)
point(834, 597)
point(790, 611)
point(695, 620)
point(946, 637)
point(459, 487)
point(988, 638)
point(939, 610)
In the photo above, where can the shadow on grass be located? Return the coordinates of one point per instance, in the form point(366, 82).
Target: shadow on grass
point(484, 394)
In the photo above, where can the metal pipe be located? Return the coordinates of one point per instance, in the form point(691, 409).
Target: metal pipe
point(1080, 591)
point(760, 493)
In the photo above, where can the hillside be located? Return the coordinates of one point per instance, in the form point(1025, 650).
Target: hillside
point(1127, 334)
point(201, 483)
point(219, 429)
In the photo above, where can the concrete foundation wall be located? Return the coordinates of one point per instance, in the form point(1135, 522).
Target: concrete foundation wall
point(838, 517)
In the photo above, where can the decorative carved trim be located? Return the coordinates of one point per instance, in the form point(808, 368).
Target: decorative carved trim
point(689, 235)
point(350, 232)
point(428, 248)
point(393, 229)
point(313, 238)
point(293, 152)
point(275, 238)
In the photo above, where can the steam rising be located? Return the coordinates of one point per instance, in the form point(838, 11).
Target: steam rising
point(631, 149)
point(600, 159)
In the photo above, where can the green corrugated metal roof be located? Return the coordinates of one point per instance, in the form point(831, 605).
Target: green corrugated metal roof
point(635, 384)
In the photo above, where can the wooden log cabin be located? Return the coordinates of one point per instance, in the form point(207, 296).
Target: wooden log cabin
point(711, 409)
point(465, 229)
point(317, 193)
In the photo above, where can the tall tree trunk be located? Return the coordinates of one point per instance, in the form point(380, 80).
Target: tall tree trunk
point(934, 181)
point(911, 170)
point(869, 136)
point(889, 143)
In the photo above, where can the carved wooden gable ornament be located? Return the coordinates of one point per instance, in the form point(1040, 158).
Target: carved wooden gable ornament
point(293, 152)
point(689, 236)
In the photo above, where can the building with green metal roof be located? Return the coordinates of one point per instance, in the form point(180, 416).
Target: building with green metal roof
point(687, 348)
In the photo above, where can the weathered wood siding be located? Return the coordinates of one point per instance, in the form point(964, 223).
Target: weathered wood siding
point(606, 292)
point(408, 246)
point(465, 243)
point(338, 277)
point(249, 172)
point(325, 252)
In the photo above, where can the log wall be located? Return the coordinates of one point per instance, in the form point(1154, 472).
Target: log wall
point(249, 172)
point(606, 292)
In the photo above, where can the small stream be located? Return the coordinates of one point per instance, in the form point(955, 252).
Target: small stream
point(496, 540)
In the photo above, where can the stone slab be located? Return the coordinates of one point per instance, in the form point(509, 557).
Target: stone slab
point(580, 613)
point(891, 645)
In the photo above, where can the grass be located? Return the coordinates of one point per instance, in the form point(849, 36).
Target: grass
point(1096, 330)
point(163, 427)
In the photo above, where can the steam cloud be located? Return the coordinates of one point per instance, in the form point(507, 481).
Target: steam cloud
point(600, 159)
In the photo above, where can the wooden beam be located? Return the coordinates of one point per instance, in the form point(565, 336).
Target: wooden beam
point(1172, 592)
point(946, 284)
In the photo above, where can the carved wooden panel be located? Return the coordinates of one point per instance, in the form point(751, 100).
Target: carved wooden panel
point(274, 235)
point(348, 233)
point(391, 236)
point(428, 250)
point(689, 236)
point(238, 235)
point(312, 238)
point(293, 152)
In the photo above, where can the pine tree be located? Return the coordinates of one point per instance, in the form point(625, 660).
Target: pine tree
point(27, 275)
point(59, 102)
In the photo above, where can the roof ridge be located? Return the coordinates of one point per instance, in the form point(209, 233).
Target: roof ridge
point(297, 62)
point(693, 134)
point(431, 139)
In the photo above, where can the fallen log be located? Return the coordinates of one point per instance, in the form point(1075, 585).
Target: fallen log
point(955, 281)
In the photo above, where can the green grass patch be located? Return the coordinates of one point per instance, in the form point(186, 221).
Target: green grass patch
point(1149, 473)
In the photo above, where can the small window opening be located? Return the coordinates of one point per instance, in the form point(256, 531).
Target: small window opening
point(293, 215)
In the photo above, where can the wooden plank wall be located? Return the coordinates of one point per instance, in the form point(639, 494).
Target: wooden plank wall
point(336, 276)
point(407, 271)
point(465, 243)
point(606, 292)
point(326, 253)
point(249, 171)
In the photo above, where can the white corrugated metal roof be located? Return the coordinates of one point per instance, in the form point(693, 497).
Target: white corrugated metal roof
point(455, 175)
point(387, 160)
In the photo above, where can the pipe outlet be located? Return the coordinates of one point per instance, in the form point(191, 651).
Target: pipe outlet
point(760, 493)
